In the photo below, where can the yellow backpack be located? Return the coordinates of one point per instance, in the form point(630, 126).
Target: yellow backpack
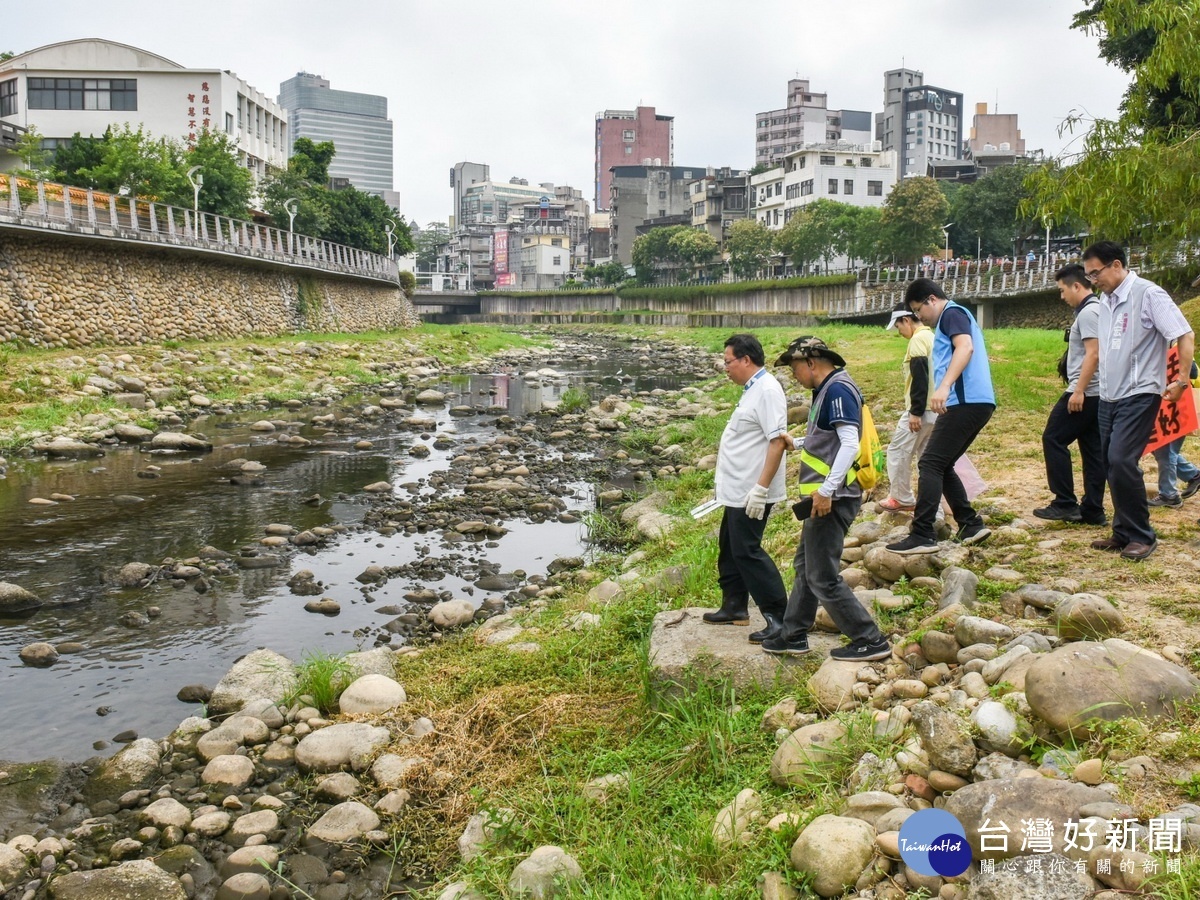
point(870, 460)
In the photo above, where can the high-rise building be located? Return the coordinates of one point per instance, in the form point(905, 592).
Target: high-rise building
point(86, 86)
point(922, 123)
point(805, 120)
point(645, 197)
point(358, 125)
point(626, 137)
point(995, 139)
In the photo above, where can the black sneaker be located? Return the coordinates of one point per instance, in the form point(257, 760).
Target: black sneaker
point(1059, 514)
point(1099, 520)
point(1169, 502)
point(1193, 485)
point(912, 545)
point(860, 651)
point(973, 534)
point(779, 646)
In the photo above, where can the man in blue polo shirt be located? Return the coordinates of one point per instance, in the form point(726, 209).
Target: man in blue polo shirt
point(964, 402)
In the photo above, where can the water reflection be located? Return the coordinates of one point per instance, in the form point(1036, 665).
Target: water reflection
point(62, 552)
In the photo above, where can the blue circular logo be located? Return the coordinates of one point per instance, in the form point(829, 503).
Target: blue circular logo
point(933, 842)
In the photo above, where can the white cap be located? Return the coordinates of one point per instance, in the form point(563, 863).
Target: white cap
point(897, 315)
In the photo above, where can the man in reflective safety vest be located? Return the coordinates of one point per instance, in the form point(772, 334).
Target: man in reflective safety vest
point(827, 477)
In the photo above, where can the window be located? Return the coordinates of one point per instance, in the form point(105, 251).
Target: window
point(803, 161)
point(687, 173)
point(229, 123)
point(698, 209)
point(662, 176)
point(865, 161)
point(555, 242)
point(793, 191)
point(557, 261)
point(848, 186)
point(628, 150)
point(8, 97)
point(778, 188)
point(83, 93)
point(806, 188)
point(827, 160)
point(627, 135)
point(833, 185)
point(875, 188)
point(662, 195)
point(661, 213)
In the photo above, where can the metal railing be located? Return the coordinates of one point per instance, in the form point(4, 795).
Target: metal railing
point(84, 211)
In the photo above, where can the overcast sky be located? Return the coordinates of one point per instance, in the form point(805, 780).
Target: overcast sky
point(518, 85)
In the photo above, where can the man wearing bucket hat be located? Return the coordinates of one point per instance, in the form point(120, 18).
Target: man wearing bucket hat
point(916, 422)
point(827, 477)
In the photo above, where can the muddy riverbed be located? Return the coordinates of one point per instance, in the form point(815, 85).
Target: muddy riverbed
point(130, 650)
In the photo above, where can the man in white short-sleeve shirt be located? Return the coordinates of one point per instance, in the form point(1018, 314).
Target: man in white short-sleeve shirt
point(750, 479)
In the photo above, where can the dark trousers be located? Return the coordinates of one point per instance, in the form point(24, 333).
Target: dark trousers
point(819, 578)
point(744, 568)
point(1125, 428)
point(956, 428)
point(1064, 428)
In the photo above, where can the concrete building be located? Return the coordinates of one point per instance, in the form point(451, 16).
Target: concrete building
point(577, 214)
point(644, 197)
point(627, 137)
point(995, 140)
point(544, 256)
point(357, 124)
point(858, 175)
point(719, 198)
point(805, 120)
point(88, 85)
point(922, 123)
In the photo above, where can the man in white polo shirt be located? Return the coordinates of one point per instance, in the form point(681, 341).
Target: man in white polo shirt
point(750, 479)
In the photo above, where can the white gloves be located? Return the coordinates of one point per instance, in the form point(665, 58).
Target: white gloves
point(756, 502)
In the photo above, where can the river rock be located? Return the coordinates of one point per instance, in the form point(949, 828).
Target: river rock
point(13, 865)
point(834, 850)
point(261, 822)
point(345, 822)
point(544, 873)
point(1008, 801)
point(139, 879)
point(15, 599)
point(832, 685)
point(231, 773)
point(246, 859)
point(805, 751)
point(733, 822)
point(262, 673)
point(39, 655)
point(970, 630)
point(958, 586)
point(1054, 876)
point(1114, 679)
point(347, 743)
point(1087, 617)
point(999, 727)
point(134, 767)
point(452, 613)
point(945, 737)
point(174, 440)
point(68, 448)
point(371, 694)
point(379, 661)
point(167, 811)
point(132, 434)
point(245, 886)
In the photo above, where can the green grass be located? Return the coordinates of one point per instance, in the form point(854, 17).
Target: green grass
point(321, 678)
point(573, 399)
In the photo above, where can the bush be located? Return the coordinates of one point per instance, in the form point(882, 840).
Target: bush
point(408, 283)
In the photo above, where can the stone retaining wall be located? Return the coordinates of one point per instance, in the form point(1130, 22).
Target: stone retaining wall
point(66, 293)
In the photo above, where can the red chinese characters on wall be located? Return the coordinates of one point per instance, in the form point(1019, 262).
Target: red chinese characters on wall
point(198, 100)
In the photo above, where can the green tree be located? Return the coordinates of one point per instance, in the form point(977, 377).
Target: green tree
point(611, 273)
point(653, 249)
point(749, 245)
point(6, 56)
point(1138, 176)
point(912, 218)
point(147, 167)
point(227, 186)
point(427, 240)
point(358, 219)
point(80, 154)
point(311, 160)
point(35, 162)
point(816, 231)
point(861, 232)
point(987, 214)
point(693, 247)
point(797, 241)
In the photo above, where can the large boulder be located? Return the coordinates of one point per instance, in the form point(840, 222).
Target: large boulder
point(1070, 687)
point(344, 744)
point(174, 440)
point(134, 767)
point(15, 599)
point(805, 752)
point(137, 880)
point(263, 673)
point(343, 823)
point(945, 737)
point(990, 806)
point(832, 685)
point(834, 850)
point(1033, 878)
point(371, 694)
point(683, 647)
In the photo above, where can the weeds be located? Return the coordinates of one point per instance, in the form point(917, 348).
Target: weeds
point(573, 399)
point(321, 678)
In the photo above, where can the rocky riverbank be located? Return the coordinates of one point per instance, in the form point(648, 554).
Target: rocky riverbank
point(1019, 707)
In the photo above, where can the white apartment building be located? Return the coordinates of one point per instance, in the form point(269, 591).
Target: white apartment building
point(857, 174)
point(87, 85)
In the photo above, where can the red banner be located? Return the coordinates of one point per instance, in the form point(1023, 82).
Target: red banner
point(1176, 419)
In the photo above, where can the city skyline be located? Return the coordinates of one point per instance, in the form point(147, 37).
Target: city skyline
point(441, 69)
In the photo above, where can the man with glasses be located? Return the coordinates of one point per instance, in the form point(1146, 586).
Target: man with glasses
point(964, 402)
point(1138, 322)
point(1075, 417)
point(749, 481)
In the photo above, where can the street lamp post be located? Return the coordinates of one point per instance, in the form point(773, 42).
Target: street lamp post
point(196, 178)
point(946, 249)
point(1048, 222)
point(290, 206)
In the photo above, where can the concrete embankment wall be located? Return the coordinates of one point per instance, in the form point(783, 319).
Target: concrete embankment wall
point(73, 293)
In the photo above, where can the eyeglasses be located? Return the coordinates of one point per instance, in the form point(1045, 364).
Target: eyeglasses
point(915, 306)
point(730, 362)
point(1094, 274)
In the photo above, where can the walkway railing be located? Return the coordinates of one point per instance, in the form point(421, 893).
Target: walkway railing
point(61, 208)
